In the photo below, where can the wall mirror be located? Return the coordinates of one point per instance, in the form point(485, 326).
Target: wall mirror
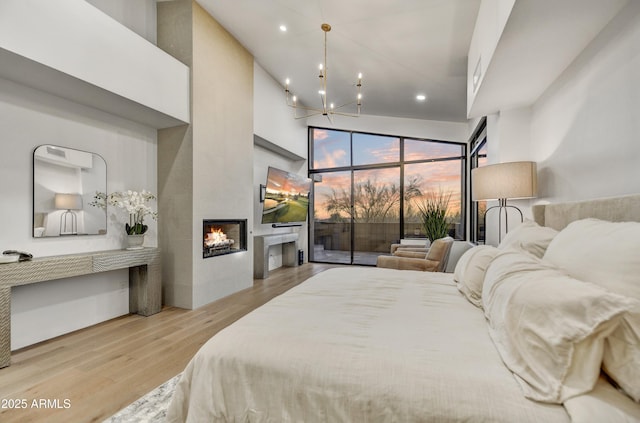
point(65, 183)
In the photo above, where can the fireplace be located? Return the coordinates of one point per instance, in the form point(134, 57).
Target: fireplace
point(223, 237)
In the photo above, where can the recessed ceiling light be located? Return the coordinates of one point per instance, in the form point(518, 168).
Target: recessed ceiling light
point(421, 97)
point(283, 28)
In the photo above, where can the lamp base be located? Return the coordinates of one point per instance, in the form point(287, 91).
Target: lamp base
point(502, 207)
point(72, 227)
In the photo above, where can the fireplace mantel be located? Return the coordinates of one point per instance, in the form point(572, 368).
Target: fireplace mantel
point(261, 246)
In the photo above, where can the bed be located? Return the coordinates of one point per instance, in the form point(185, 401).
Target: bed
point(382, 345)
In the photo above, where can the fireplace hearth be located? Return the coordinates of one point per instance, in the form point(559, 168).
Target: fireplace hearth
point(222, 237)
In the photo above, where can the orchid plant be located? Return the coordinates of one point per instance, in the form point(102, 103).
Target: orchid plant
point(134, 203)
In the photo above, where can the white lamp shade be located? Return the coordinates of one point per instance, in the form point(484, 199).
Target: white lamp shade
point(68, 202)
point(504, 180)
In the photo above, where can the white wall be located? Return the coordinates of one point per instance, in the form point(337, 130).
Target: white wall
point(49, 44)
point(491, 20)
point(274, 122)
point(262, 159)
point(31, 118)
point(585, 128)
point(583, 131)
point(508, 134)
point(418, 128)
point(137, 15)
point(222, 113)
point(272, 118)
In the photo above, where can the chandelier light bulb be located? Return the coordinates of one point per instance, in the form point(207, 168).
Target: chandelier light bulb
point(331, 105)
point(286, 81)
point(321, 92)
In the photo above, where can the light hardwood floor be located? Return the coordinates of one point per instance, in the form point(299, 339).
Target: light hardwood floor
point(88, 375)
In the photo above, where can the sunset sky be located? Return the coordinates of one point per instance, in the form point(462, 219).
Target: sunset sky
point(332, 149)
point(279, 180)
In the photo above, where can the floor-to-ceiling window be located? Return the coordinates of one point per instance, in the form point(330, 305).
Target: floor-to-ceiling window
point(478, 158)
point(367, 187)
point(433, 168)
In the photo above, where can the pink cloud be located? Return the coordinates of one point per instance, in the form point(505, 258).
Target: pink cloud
point(320, 134)
point(385, 155)
point(330, 159)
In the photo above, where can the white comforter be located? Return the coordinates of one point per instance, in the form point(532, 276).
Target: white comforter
point(357, 345)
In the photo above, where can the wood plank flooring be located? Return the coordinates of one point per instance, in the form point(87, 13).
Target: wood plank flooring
point(90, 374)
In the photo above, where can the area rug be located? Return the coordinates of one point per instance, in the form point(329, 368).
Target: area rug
point(150, 408)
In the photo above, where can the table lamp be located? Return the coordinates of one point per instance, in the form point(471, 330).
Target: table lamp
point(68, 202)
point(503, 181)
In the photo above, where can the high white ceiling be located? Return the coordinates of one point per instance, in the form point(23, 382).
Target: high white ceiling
point(402, 47)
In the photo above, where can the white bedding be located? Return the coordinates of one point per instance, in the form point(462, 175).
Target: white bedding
point(357, 345)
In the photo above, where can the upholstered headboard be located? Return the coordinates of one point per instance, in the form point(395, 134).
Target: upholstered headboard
point(616, 209)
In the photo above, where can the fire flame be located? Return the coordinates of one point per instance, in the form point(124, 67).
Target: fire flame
point(217, 237)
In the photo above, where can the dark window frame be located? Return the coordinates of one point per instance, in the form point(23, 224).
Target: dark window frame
point(400, 163)
point(477, 143)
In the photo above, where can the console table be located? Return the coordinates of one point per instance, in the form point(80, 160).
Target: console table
point(261, 246)
point(145, 285)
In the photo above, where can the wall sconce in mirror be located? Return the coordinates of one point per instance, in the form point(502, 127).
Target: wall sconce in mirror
point(65, 182)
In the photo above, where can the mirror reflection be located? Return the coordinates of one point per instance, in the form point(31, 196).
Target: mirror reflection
point(65, 182)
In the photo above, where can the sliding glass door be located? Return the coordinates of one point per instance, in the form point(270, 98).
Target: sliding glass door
point(331, 218)
point(376, 213)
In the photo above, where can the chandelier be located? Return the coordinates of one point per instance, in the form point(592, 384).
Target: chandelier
point(328, 109)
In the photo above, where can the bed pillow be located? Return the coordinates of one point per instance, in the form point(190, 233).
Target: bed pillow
point(529, 237)
point(512, 261)
point(606, 254)
point(470, 270)
point(604, 404)
point(548, 327)
point(622, 354)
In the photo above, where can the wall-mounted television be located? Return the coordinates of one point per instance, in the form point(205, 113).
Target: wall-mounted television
point(285, 197)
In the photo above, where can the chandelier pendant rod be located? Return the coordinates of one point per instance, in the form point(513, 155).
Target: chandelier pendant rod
point(328, 109)
point(324, 71)
point(345, 105)
point(345, 114)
